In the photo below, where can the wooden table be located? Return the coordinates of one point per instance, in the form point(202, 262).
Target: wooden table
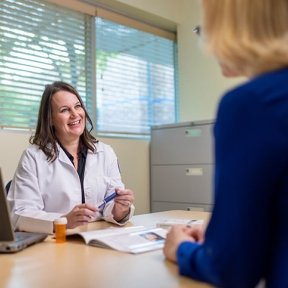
point(74, 264)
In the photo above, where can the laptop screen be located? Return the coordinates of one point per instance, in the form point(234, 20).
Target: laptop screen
point(6, 231)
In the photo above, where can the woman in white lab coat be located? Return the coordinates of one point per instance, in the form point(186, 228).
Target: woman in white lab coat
point(66, 171)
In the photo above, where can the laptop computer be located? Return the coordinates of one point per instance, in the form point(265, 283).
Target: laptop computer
point(11, 241)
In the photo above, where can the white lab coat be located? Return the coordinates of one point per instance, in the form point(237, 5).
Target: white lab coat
point(42, 191)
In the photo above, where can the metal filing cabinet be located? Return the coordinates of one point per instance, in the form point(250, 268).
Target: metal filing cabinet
point(181, 162)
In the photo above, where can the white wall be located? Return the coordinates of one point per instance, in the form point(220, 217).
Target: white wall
point(201, 82)
point(200, 86)
point(12, 145)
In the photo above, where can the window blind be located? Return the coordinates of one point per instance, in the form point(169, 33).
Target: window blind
point(40, 43)
point(135, 79)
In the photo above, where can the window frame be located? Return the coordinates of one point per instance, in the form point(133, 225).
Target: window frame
point(94, 10)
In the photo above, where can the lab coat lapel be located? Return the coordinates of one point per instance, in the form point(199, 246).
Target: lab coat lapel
point(63, 157)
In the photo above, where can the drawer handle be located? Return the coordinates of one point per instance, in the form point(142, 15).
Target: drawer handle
point(195, 209)
point(194, 171)
point(193, 132)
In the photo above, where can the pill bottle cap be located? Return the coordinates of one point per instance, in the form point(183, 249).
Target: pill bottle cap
point(62, 220)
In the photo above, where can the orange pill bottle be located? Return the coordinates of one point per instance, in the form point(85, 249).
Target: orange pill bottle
point(60, 225)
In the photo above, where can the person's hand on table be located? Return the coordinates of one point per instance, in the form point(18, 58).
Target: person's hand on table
point(80, 215)
point(178, 234)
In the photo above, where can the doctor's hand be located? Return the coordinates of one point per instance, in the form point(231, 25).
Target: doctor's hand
point(176, 235)
point(123, 202)
point(80, 215)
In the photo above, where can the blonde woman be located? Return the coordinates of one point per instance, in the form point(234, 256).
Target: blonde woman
point(246, 239)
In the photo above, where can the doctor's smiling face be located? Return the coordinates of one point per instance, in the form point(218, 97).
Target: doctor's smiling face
point(68, 116)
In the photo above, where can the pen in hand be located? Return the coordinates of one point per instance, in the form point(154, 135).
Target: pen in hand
point(110, 197)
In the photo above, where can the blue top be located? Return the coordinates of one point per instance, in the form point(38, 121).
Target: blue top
point(247, 237)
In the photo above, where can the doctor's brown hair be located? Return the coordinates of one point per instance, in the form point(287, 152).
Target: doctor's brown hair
point(44, 135)
point(250, 37)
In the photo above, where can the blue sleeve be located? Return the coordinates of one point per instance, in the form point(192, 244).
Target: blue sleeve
point(249, 164)
point(193, 263)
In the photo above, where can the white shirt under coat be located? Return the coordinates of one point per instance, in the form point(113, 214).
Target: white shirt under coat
point(43, 191)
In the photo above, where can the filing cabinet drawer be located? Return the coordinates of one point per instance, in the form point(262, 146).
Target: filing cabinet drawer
point(158, 206)
point(182, 145)
point(182, 183)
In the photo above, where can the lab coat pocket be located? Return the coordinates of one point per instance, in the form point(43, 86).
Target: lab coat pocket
point(97, 188)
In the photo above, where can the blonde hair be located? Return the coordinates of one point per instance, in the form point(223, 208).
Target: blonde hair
point(248, 36)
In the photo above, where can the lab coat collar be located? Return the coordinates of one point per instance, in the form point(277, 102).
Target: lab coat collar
point(63, 157)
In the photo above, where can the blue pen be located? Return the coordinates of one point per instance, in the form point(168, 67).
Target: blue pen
point(106, 200)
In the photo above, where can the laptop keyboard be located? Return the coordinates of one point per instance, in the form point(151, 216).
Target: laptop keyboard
point(20, 236)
